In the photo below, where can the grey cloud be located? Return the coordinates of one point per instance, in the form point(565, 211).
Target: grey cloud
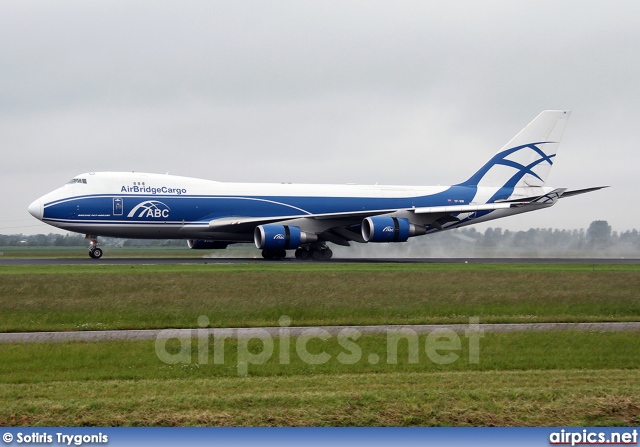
point(403, 92)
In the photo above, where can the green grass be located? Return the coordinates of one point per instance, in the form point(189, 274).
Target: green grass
point(136, 360)
point(521, 379)
point(36, 298)
point(103, 267)
point(496, 398)
point(548, 378)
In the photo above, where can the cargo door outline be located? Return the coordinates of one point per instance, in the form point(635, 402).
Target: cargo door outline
point(118, 206)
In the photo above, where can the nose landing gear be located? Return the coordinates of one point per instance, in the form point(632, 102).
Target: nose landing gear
point(95, 252)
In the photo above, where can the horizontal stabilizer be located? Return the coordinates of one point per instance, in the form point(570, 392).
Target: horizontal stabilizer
point(470, 208)
point(581, 191)
point(546, 199)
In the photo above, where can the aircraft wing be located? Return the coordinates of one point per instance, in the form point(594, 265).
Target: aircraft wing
point(248, 223)
point(340, 228)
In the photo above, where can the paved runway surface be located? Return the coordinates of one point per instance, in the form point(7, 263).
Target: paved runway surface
point(159, 261)
point(151, 334)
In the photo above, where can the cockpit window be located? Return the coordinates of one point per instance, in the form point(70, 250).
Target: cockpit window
point(77, 180)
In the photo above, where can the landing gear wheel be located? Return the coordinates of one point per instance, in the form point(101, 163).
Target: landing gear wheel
point(274, 254)
point(302, 254)
point(96, 253)
point(326, 253)
point(316, 254)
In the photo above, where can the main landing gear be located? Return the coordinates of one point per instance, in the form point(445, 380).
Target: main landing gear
point(95, 252)
point(274, 254)
point(314, 252)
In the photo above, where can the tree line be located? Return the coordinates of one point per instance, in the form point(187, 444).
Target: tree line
point(78, 240)
point(597, 238)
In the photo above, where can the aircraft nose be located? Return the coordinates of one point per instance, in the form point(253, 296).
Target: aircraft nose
point(35, 209)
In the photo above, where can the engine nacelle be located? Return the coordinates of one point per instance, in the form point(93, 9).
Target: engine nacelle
point(200, 244)
point(281, 237)
point(389, 229)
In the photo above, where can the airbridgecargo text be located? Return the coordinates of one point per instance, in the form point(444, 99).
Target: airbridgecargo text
point(152, 190)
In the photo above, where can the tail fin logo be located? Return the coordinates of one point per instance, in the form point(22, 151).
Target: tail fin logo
point(526, 164)
point(527, 158)
point(150, 208)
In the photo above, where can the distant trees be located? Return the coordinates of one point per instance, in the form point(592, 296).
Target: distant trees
point(598, 240)
point(599, 233)
point(78, 240)
point(42, 240)
point(630, 237)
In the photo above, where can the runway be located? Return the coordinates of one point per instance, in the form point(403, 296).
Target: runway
point(257, 332)
point(202, 260)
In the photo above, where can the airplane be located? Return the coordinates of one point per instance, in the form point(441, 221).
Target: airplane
point(278, 217)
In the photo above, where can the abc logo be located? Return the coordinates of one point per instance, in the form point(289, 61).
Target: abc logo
point(150, 208)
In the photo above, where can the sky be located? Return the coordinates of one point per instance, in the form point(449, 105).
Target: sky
point(402, 92)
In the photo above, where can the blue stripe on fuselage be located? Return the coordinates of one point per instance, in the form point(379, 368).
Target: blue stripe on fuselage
point(206, 208)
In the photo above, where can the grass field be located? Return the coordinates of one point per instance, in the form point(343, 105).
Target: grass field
point(521, 379)
point(559, 378)
point(496, 398)
point(36, 298)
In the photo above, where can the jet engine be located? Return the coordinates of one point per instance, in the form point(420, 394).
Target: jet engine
point(389, 229)
point(281, 237)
